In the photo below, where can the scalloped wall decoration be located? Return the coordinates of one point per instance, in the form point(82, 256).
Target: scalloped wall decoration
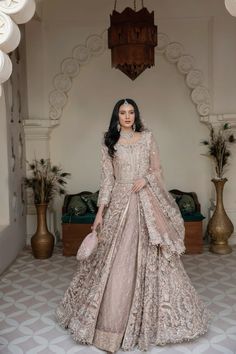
point(95, 45)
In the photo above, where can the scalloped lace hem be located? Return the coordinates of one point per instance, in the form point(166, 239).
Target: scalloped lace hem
point(112, 342)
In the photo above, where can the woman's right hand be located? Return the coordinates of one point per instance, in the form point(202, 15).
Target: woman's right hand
point(97, 222)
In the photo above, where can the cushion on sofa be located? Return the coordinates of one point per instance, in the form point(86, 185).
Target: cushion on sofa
point(82, 208)
point(68, 198)
point(186, 204)
point(76, 206)
point(91, 201)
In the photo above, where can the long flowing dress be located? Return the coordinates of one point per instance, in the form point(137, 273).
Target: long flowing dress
point(133, 291)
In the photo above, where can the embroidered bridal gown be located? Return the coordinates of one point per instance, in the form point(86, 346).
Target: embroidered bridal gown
point(133, 291)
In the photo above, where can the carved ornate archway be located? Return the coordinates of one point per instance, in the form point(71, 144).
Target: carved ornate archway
point(95, 45)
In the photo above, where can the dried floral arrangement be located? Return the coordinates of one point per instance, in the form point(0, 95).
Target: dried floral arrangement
point(221, 139)
point(46, 180)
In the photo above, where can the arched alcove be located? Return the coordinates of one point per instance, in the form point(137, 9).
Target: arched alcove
point(95, 45)
point(75, 143)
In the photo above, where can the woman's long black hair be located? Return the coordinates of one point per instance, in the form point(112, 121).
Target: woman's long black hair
point(112, 135)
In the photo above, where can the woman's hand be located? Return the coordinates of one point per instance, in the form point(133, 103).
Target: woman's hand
point(97, 222)
point(139, 184)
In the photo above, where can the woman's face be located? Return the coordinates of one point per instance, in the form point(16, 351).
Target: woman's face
point(126, 115)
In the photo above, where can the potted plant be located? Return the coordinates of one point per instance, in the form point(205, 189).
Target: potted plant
point(46, 181)
point(219, 226)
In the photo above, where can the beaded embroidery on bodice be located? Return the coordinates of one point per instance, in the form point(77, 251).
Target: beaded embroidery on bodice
point(131, 160)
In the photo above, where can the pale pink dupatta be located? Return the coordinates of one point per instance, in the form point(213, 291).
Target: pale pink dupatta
point(163, 218)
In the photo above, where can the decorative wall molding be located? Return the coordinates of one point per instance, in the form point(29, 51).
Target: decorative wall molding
point(38, 129)
point(37, 136)
point(174, 53)
point(218, 119)
point(95, 45)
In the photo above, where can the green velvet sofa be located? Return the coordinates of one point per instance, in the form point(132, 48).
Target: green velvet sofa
point(76, 227)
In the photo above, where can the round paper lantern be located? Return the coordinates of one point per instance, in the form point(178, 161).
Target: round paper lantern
point(20, 11)
point(5, 67)
point(231, 6)
point(9, 35)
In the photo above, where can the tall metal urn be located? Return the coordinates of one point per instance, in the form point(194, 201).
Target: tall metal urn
point(42, 242)
point(220, 226)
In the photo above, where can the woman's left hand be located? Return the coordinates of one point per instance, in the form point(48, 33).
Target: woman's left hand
point(139, 184)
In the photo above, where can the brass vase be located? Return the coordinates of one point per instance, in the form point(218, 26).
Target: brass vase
point(42, 242)
point(220, 227)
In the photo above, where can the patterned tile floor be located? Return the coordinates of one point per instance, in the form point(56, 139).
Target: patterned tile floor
point(31, 289)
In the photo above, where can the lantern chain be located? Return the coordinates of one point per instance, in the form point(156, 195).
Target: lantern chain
point(135, 4)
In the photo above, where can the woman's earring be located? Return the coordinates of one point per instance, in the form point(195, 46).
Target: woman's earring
point(134, 127)
point(118, 127)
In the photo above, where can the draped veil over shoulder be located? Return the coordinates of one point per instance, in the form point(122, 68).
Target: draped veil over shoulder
point(134, 291)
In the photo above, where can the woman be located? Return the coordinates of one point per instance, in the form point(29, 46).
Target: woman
point(133, 291)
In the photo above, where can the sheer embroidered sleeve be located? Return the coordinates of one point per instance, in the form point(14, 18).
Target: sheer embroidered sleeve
point(107, 178)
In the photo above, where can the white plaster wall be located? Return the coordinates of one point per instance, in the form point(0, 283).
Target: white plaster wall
point(207, 32)
point(12, 157)
point(4, 192)
point(90, 113)
point(64, 25)
point(224, 54)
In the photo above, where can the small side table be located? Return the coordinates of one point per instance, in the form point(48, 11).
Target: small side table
point(193, 237)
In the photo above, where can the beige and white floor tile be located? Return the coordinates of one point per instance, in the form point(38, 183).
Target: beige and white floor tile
point(31, 289)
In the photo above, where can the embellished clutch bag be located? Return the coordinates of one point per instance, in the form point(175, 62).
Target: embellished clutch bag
point(88, 246)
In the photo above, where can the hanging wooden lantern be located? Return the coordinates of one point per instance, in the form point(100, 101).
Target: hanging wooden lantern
point(132, 37)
